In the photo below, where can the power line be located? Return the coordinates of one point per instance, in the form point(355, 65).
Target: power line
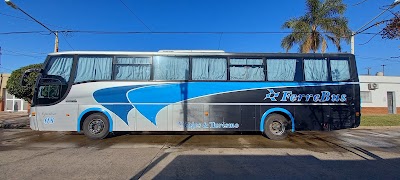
point(135, 15)
point(359, 3)
point(164, 32)
point(24, 32)
point(30, 20)
point(21, 54)
point(28, 53)
point(65, 38)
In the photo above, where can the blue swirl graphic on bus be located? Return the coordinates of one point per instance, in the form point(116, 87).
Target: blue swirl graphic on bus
point(150, 99)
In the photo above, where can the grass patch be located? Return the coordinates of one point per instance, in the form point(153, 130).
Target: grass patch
point(380, 120)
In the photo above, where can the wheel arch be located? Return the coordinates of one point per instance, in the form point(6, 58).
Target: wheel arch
point(280, 111)
point(84, 114)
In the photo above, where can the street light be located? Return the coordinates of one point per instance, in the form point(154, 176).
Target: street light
point(10, 3)
point(394, 4)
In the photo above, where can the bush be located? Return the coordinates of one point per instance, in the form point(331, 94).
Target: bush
point(14, 83)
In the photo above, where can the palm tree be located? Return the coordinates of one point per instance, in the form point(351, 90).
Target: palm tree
point(323, 21)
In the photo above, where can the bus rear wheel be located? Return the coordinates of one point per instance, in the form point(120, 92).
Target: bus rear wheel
point(96, 126)
point(276, 127)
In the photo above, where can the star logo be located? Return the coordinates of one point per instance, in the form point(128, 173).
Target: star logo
point(272, 95)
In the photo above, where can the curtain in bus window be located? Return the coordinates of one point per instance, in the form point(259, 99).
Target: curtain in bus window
point(315, 70)
point(132, 72)
point(281, 69)
point(94, 68)
point(340, 70)
point(133, 60)
point(209, 69)
point(60, 66)
point(246, 70)
point(171, 68)
point(133, 68)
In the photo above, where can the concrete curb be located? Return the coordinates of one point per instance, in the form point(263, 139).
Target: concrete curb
point(377, 127)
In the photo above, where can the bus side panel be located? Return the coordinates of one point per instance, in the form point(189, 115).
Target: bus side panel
point(60, 117)
point(155, 122)
point(188, 117)
point(311, 117)
point(249, 117)
point(33, 119)
point(224, 118)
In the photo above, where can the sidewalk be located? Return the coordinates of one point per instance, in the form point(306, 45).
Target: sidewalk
point(13, 120)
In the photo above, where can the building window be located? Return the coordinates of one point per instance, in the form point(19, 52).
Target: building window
point(366, 97)
point(14, 104)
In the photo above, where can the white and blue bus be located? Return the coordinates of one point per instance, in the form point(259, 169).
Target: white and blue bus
point(102, 92)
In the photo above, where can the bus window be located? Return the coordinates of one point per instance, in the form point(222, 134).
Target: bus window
point(281, 69)
point(49, 91)
point(340, 70)
point(246, 70)
point(60, 66)
point(206, 68)
point(91, 68)
point(171, 68)
point(132, 68)
point(315, 70)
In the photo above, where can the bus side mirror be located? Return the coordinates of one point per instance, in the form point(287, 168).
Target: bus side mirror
point(26, 75)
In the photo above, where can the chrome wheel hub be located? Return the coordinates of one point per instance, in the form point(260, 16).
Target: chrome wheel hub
point(96, 126)
point(277, 127)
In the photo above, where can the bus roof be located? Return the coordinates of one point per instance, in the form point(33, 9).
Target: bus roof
point(192, 53)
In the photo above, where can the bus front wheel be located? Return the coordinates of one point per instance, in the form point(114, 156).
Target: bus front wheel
point(276, 127)
point(96, 126)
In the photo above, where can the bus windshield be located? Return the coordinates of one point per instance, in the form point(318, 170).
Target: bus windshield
point(53, 82)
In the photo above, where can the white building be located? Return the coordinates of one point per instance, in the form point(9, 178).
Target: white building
point(9, 102)
point(380, 94)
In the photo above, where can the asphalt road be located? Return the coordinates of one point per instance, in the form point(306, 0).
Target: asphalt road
point(345, 154)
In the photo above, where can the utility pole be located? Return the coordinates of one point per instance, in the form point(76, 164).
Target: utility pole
point(0, 56)
point(368, 68)
point(8, 2)
point(352, 43)
point(1, 83)
point(56, 42)
point(383, 68)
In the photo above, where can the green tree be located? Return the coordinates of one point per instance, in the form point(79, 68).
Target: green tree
point(322, 22)
point(14, 82)
point(392, 28)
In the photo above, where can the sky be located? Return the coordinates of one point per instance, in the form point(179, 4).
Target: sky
point(179, 16)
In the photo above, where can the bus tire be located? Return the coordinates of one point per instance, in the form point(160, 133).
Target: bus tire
point(96, 126)
point(276, 127)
